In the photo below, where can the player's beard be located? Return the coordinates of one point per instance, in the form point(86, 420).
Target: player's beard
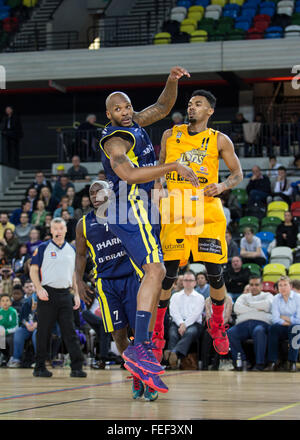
point(192, 119)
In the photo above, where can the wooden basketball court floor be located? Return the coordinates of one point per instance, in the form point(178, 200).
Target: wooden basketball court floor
point(106, 394)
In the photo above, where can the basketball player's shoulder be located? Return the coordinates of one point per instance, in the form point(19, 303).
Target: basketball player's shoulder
point(223, 139)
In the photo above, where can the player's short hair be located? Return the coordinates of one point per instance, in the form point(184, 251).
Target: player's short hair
point(255, 277)
point(208, 95)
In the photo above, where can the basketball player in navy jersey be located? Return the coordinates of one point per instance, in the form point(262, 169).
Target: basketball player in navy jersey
point(129, 163)
point(116, 279)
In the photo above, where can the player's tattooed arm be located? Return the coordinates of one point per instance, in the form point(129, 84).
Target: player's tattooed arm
point(165, 102)
point(227, 153)
point(163, 149)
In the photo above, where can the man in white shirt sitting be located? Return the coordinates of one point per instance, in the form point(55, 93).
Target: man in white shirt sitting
point(254, 317)
point(186, 307)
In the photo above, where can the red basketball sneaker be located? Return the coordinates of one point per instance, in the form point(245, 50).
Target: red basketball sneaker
point(217, 331)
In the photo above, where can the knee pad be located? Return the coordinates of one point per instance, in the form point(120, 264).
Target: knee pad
point(171, 275)
point(215, 275)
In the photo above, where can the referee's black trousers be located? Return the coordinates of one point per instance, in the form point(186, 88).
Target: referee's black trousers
point(59, 307)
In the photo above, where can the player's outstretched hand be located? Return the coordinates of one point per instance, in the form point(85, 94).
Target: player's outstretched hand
point(178, 72)
point(213, 190)
point(188, 174)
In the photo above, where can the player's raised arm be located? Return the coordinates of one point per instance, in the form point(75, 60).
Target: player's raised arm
point(165, 102)
point(120, 163)
point(80, 263)
point(226, 151)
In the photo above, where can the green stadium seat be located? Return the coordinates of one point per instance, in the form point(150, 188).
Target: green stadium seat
point(249, 222)
point(254, 268)
point(270, 224)
point(236, 34)
point(241, 194)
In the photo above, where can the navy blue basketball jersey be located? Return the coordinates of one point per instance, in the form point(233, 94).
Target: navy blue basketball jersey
point(141, 153)
point(106, 250)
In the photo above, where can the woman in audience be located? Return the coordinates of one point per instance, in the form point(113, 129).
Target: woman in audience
point(251, 250)
point(282, 189)
point(71, 194)
point(11, 244)
point(20, 259)
point(3, 260)
point(286, 232)
point(46, 196)
point(39, 215)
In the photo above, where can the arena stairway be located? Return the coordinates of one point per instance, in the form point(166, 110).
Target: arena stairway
point(15, 193)
point(128, 31)
point(37, 23)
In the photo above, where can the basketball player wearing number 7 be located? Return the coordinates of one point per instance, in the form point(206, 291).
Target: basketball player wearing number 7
point(199, 147)
point(129, 163)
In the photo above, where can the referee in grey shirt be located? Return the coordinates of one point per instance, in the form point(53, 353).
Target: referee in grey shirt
point(52, 273)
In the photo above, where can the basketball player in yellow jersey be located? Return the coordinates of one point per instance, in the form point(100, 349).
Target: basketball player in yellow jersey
point(200, 148)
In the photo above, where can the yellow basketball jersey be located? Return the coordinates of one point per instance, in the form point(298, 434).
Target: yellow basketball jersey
point(199, 152)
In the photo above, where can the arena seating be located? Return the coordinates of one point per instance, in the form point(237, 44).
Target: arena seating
point(12, 14)
point(232, 20)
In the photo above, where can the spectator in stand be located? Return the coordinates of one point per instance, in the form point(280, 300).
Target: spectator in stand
point(23, 229)
point(251, 250)
point(287, 231)
point(34, 241)
point(3, 260)
point(226, 212)
point(39, 182)
point(237, 134)
point(72, 197)
point(178, 284)
point(295, 168)
point(64, 204)
point(60, 188)
point(12, 133)
point(84, 209)
point(71, 225)
point(285, 324)
point(77, 172)
point(254, 316)
point(16, 214)
point(101, 175)
point(177, 118)
point(207, 342)
point(60, 170)
point(295, 128)
point(32, 196)
point(259, 186)
point(28, 288)
point(273, 167)
point(295, 285)
point(232, 247)
point(236, 277)
point(87, 136)
point(202, 286)
point(47, 198)
point(7, 279)
point(27, 330)
point(45, 230)
point(94, 318)
point(5, 224)
point(17, 298)
point(280, 136)
point(231, 202)
point(16, 281)
point(186, 309)
point(10, 243)
point(9, 320)
point(39, 216)
point(20, 259)
point(281, 188)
